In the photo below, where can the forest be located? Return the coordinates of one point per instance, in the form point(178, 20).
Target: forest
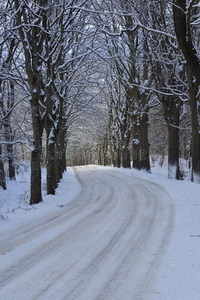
point(109, 82)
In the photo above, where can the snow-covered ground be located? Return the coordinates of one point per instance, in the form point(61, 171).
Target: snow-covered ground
point(179, 278)
point(14, 202)
point(179, 275)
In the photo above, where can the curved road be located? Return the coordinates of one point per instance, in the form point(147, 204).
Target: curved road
point(107, 244)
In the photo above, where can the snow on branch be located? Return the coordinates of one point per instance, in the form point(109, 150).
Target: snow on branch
point(141, 26)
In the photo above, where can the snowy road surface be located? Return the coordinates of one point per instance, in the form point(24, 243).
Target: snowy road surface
point(107, 244)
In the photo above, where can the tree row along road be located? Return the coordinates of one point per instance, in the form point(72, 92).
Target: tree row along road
point(107, 244)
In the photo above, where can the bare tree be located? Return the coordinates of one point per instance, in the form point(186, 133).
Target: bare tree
point(186, 22)
point(169, 78)
point(8, 48)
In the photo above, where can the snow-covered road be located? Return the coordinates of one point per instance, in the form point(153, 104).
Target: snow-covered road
point(107, 244)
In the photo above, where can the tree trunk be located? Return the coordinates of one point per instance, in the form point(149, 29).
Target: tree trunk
point(184, 38)
point(60, 165)
point(51, 170)
point(99, 156)
point(195, 122)
point(36, 190)
point(144, 142)
point(64, 163)
point(135, 145)
point(172, 106)
point(134, 137)
point(135, 154)
point(183, 26)
point(118, 157)
point(126, 153)
point(112, 160)
point(60, 158)
point(33, 42)
point(173, 152)
point(195, 172)
point(104, 150)
point(8, 132)
point(2, 173)
point(113, 154)
point(9, 147)
point(11, 162)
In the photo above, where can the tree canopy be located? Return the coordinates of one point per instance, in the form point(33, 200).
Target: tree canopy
point(108, 82)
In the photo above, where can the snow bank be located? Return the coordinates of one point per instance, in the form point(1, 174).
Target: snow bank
point(14, 202)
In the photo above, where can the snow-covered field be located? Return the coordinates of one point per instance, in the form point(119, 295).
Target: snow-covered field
point(178, 277)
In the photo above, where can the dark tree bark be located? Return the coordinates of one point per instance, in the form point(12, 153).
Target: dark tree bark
point(2, 173)
point(125, 132)
point(11, 166)
point(173, 152)
point(61, 157)
point(126, 163)
point(172, 106)
point(8, 132)
point(9, 147)
point(51, 169)
point(112, 154)
point(144, 141)
point(51, 154)
point(183, 33)
point(195, 115)
point(134, 137)
point(105, 150)
point(33, 45)
point(36, 190)
point(100, 156)
point(186, 42)
point(118, 157)
point(126, 150)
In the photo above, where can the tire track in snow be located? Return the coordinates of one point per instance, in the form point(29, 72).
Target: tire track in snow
point(107, 245)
